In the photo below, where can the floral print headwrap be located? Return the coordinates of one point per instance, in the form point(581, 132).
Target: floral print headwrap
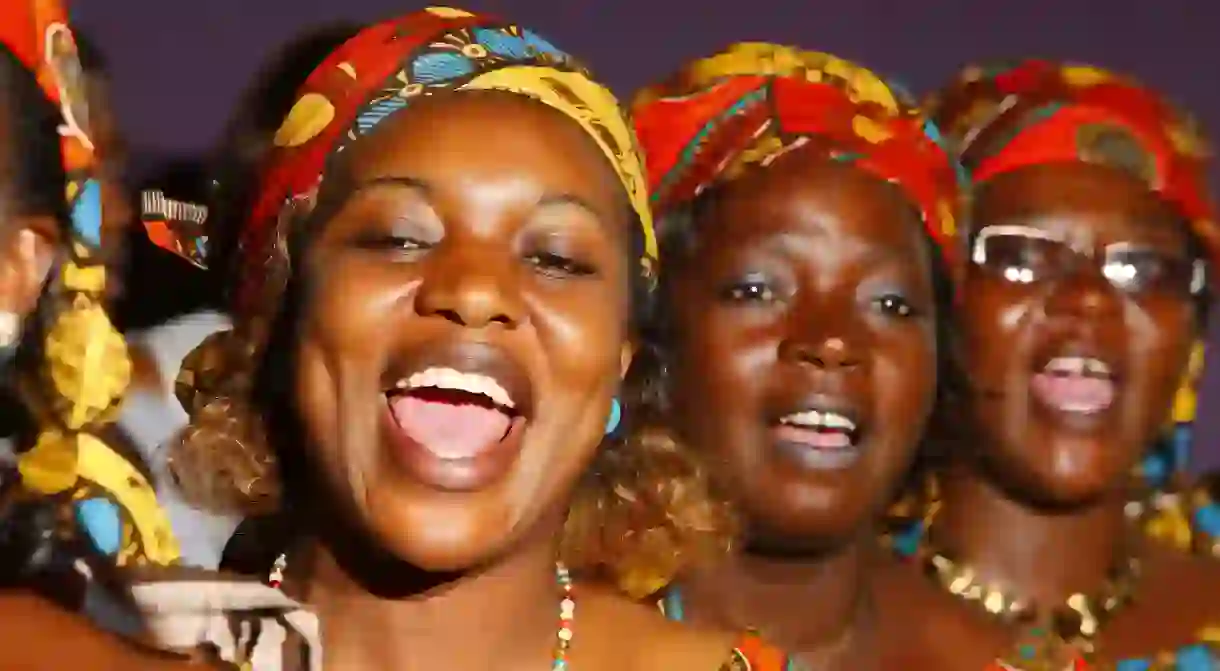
point(1002, 117)
point(370, 78)
point(754, 102)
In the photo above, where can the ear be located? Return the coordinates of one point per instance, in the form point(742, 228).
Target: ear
point(624, 358)
point(26, 256)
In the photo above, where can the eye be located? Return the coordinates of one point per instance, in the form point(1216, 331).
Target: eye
point(749, 291)
point(1144, 270)
point(391, 243)
point(558, 265)
point(894, 305)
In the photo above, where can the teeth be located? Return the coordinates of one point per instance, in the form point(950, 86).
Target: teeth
point(1078, 365)
point(818, 419)
point(447, 378)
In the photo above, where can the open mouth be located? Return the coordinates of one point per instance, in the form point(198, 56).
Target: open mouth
point(819, 437)
point(1075, 385)
point(452, 414)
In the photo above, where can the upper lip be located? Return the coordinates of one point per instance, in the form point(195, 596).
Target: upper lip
point(1054, 349)
point(476, 358)
point(822, 402)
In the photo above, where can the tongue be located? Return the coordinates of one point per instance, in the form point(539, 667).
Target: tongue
point(448, 430)
point(1074, 393)
point(813, 438)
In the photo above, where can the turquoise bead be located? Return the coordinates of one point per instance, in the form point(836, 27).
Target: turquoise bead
point(100, 519)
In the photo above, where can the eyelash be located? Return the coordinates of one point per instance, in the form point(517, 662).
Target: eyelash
point(895, 305)
point(557, 265)
point(547, 263)
point(749, 292)
point(391, 242)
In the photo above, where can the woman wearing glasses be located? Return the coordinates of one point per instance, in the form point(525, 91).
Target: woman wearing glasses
point(1090, 247)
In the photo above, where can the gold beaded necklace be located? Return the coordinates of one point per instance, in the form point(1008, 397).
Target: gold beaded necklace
point(1049, 637)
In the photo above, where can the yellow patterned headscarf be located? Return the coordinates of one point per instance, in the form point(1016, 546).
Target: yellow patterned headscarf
point(386, 67)
point(86, 368)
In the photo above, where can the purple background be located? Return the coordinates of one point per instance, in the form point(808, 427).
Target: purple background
point(179, 65)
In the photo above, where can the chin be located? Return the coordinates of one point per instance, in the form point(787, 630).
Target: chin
point(831, 523)
point(1067, 473)
point(444, 533)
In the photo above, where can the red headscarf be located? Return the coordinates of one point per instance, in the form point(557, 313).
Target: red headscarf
point(754, 102)
point(1004, 117)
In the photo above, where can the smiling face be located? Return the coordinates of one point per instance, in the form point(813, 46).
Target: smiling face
point(465, 325)
point(804, 352)
point(1076, 322)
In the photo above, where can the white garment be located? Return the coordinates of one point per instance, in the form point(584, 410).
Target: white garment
point(151, 419)
point(247, 622)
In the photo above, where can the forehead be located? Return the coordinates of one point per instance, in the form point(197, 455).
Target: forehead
point(804, 193)
point(479, 136)
point(1081, 200)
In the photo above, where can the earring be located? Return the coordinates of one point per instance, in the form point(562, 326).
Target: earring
point(616, 416)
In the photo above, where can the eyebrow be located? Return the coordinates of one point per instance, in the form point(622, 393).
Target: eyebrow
point(427, 189)
point(413, 183)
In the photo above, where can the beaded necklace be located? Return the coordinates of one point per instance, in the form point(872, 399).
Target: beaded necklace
point(1058, 639)
point(567, 608)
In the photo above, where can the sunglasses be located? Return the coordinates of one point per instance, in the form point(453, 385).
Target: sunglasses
point(1024, 255)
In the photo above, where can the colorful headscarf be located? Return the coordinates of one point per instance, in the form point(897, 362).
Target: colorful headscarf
point(1000, 118)
point(1003, 117)
point(87, 368)
point(386, 67)
point(752, 103)
point(374, 75)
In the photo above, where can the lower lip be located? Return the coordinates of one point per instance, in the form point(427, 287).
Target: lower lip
point(815, 450)
point(466, 474)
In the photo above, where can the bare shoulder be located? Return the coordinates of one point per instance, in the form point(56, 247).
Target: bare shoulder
point(639, 638)
point(1183, 583)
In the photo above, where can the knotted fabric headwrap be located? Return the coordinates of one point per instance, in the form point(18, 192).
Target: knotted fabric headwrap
point(754, 102)
point(386, 67)
point(86, 368)
point(1000, 118)
point(1003, 117)
point(370, 78)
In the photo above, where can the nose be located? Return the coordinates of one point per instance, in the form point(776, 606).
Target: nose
point(830, 352)
point(1082, 295)
point(471, 288)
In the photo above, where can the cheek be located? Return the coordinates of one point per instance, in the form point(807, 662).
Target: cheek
point(346, 330)
point(580, 331)
point(990, 324)
point(1159, 343)
point(906, 376)
point(720, 367)
point(353, 308)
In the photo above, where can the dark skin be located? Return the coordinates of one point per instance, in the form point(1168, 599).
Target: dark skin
point(28, 240)
point(437, 248)
point(808, 284)
point(1038, 503)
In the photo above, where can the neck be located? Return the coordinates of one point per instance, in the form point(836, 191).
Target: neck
point(449, 626)
point(802, 604)
point(1038, 555)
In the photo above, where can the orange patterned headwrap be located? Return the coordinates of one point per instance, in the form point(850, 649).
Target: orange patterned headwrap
point(753, 102)
point(1003, 117)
